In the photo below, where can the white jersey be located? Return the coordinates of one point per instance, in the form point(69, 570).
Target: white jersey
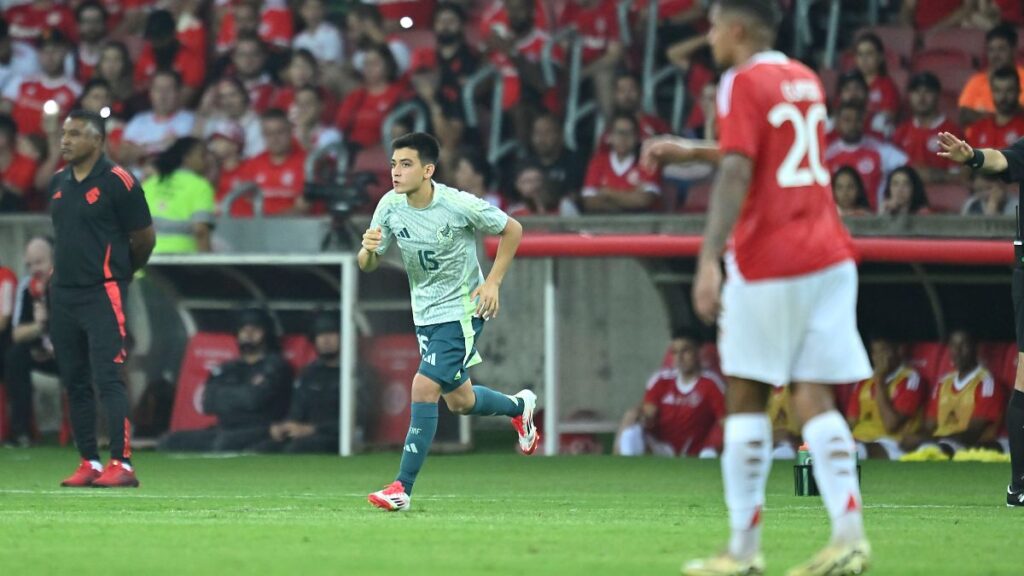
point(438, 245)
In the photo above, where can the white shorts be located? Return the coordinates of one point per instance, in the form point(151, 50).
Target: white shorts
point(799, 329)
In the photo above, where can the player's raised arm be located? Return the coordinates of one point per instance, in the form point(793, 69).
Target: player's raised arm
point(987, 160)
point(488, 305)
point(663, 150)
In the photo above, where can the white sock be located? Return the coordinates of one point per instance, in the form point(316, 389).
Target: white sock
point(832, 448)
point(96, 465)
point(746, 460)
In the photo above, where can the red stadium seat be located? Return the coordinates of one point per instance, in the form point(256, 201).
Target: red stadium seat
point(947, 197)
point(1001, 360)
point(969, 41)
point(953, 79)
point(934, 60)
point(697, 198)
point(298, 351)
point(925, 358)
point(898, 40)
point(204, 351)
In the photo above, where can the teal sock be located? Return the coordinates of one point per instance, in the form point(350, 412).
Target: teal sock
point(491, 403)
point(422, 426)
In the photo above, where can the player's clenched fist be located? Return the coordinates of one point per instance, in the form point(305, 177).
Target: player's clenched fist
point(372, 238)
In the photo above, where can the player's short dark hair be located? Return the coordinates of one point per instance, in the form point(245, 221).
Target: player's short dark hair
point(1004, 31)
point(479, 164)
point(1007, 73)
point(925, 80)
point(91, 118)
point(274, 114)
point(90, 5)
point(447, 6)
point(424, 144)
point(687, 333)
point(8, 127)
point(173, 74)
point(766, 12)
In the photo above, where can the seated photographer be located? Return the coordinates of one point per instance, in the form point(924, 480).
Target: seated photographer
point(246, 395)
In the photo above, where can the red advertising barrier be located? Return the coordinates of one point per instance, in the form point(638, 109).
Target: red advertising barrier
point(917, 250)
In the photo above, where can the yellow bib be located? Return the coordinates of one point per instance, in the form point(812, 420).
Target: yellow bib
point(869, 426)
point(956, 407)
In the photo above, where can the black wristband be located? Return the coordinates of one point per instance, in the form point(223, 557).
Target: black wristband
point(977, 161)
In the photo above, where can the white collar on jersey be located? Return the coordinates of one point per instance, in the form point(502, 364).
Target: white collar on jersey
point(960, 381)
point(686, 386)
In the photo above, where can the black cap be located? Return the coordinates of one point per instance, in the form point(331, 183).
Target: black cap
point(325, 322)
point(52, 36)
point(254, 316)
point(925, 80)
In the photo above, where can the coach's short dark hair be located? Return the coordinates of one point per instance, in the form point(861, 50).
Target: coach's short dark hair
point(1005, 31)
point(91, 118)
point(765, 11)
point(424, 144)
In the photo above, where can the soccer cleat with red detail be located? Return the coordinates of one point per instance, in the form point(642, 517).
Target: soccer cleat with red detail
point(392, 498)
point(529, 436)
point(83, 477)
point(115, 475)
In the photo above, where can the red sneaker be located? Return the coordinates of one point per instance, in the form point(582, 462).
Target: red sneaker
point(392, 498)
point(115, 475)
point(83, 477)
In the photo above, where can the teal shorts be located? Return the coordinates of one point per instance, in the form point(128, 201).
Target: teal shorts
point(447, 350)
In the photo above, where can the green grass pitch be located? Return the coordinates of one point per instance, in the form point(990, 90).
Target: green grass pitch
point(484, 514)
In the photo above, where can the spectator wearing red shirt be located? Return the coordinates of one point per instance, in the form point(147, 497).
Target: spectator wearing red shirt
point(91, 21)
point(627, 101)
point(362, 112)
point(681, 412)
point(225, 145)
point(494, 19)
point(279, 172)
point(904, 193)
point(272, 21)
point(163, 51)
point(918, 135)
point(934, 14)
point(597, 24)
point(884, 407)
point(17, 171)
point(883, 95)
point(249, 64)
point(872, 158)
point(25, 98)
point(1007, 125)
point(28, 21)
point(615, 182)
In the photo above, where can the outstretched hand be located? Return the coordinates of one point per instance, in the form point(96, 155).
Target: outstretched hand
point(954, 148)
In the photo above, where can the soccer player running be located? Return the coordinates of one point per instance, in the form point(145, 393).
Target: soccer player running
point(435, 227)
point(787, 314)
point(1008, 164)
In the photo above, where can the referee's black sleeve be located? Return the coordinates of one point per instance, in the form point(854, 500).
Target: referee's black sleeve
point(131, 207)
point(1015, 160)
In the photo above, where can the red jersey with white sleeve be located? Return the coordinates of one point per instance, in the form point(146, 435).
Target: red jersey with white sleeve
point(30, 94)
point(921, 141)
point(688, 409)
point(772, 110)
point(28, 21)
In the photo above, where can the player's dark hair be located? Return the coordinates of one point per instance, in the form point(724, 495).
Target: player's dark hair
point(875, 42)
point(170, 160)
point(687, 333)
point(1007, 73)
point(766, 12)
point(8, 127)
point(91, 118)
point(90, 5)
point(628, 117)
point(478, 163)
point(918, 198)
point(861, 201)
point(390, 64)
point(457, 10)
point(1004, 31)
point(425, 145)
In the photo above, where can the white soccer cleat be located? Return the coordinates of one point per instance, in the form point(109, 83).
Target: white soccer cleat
point(529, 436)
point(392, 498)
point(724, 565)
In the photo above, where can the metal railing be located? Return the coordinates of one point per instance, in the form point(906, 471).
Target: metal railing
point(403, 110)
point(622, 12)
point(653, 78)
point(496, 147)
point(547, 59)
point(243, 189)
